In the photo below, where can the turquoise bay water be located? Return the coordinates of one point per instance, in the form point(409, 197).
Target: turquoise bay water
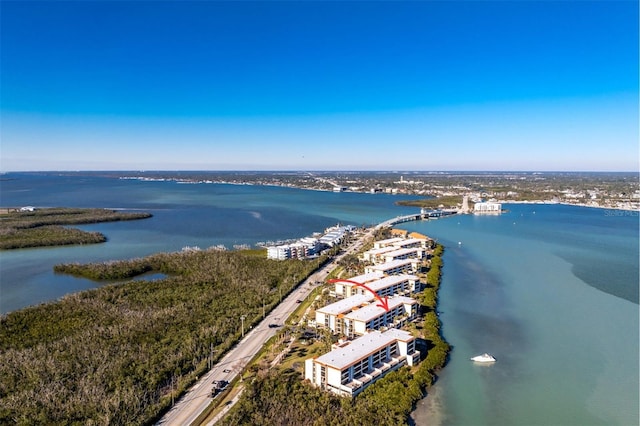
point(551, 291)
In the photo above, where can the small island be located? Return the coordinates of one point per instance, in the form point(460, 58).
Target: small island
point(29, 227)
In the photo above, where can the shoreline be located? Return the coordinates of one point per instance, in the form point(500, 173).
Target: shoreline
point(624, 197)
point(429, 410)
point(393, 190)
point(293, 186)
point(35, 227)
point(634, 212)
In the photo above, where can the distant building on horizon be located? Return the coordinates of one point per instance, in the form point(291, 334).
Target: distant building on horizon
point(309, 246)
point(487, 208)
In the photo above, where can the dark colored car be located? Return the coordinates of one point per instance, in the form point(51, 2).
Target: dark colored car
point(218, 386)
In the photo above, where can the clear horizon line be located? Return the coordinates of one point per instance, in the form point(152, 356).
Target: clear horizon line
point(315, 170)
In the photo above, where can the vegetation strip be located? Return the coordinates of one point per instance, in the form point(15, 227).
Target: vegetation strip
point(120, 353)
point(45, 227)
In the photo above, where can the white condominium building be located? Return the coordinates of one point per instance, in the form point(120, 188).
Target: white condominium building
point(389, 253)
point(335, 234)
point(487, 208)
point(279, 252)
point(346, 289)
point(304, 248)
point(396, 249)
point(412, 243)
point(375, 255)
point(405, 266)
point(330, 316)
point(386, 243)
point(358, 314)
point(351, 368)
point(399, 243)
point(373, 317)
point(401, 254)
point(391, 285)
point(401, 284)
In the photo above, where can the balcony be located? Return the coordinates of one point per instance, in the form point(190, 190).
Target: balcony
point(345, 390)
point(365, 379)
point(361, 383)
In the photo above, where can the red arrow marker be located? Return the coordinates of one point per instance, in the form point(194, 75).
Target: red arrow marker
point(384, 302)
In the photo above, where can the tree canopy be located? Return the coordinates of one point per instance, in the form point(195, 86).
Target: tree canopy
point(116, 354)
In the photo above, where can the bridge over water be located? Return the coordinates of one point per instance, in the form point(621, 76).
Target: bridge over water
point(423, 215)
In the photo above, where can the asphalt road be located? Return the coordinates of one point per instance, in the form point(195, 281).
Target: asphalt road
point(196, 400)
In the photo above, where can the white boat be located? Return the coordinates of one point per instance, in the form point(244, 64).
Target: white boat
point(483, 358)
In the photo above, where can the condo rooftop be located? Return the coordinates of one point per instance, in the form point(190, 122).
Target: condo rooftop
point(361, 347)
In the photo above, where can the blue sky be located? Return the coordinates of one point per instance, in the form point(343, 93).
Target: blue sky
point(331, 85)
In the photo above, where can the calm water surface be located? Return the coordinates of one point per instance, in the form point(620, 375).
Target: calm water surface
point(551, 291)
point(202, 215)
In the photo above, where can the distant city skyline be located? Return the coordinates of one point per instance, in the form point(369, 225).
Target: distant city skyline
point(351, 85)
